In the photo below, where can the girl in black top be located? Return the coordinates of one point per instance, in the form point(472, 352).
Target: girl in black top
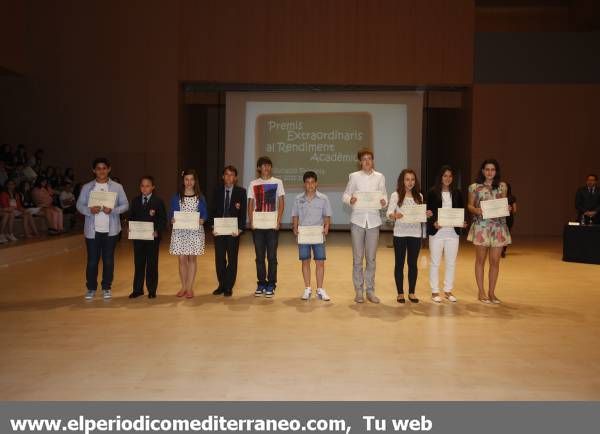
point(443, 241)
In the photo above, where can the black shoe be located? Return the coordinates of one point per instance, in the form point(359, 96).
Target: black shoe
point(136, 294)
point(412, 298)
point(400, 299)
point(218, 291)
point(152, 295)
point(227, 293)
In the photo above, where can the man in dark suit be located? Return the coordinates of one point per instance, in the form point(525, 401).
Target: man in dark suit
point(229, 201)
point(147, 207)
point(587, 201)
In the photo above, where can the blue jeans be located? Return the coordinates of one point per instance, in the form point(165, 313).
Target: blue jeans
point(102, 246)
point(265, 244)
point(318, 251)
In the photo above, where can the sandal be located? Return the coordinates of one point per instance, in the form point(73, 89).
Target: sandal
point(400, 299)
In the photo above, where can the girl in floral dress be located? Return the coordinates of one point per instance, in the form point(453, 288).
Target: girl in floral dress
point(488, 235)
point(188, 244)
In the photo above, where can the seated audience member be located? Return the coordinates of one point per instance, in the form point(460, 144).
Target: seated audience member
point(67, 201)
point(52, 177)
point(69, 175)
point(26, 198)
point(36, 162)
point(43, 196)
point(6, 155)
point(3, 173)
point(10, 201)
point(18, 173)
point(21, 156)
point(6, 218)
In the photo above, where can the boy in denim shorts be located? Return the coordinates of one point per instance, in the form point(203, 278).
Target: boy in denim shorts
point(312, 208)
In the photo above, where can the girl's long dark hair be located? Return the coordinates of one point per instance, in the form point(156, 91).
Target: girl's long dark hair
point(437, 187)
point(401, 190)
point(197, 191)
point(480, 178)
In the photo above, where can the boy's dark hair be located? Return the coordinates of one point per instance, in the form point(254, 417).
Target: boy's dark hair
point(231, 169)
point(593, 175)
point(149, 178)
point(364, 151)
point(308, 175)
point(100, 160)
point(264, 160)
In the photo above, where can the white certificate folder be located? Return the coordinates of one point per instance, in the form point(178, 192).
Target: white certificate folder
point(494, 208)
point(225, 225)
point(264, 220)
point(103, 199)
point(186, 220)
point(310, 235)
point(451, 217)
point(141, 230)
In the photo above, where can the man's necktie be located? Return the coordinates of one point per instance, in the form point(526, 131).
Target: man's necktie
point(226, 210)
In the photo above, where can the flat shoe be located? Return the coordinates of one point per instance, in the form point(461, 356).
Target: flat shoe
point(181, 293)
point(437, 298)
point(484, 300)
point(400, 299)
point(451, 298)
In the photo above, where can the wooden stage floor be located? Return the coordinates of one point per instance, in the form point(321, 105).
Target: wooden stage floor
point(541, 344)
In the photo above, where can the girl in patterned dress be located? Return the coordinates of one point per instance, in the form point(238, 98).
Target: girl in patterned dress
point(188, 243)
point(488, 235)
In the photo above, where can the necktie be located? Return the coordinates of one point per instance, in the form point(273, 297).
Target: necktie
point(145, 200)
point(226, 209)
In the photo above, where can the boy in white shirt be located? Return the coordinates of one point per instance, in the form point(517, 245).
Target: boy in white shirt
point(265, 194)
point(365, 224)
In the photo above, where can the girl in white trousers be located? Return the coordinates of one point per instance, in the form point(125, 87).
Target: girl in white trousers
point(443, 241)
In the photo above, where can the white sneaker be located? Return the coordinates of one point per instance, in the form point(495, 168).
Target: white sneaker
point(3, 239)
point(322, 295)
point(107, 294)
point(451, 298)
point(307, 294)
point(90, 295)
point(11, 237)
point(436, 297)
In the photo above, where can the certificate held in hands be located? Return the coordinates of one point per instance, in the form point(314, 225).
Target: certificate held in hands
point(451, 217)
point(186, 220)
point(414, 213)
point(141, 230)
point(310, 235)
point(494, 208)
point(264, 219)
point(225, 226)
point(103, 199)
point(368, 199)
